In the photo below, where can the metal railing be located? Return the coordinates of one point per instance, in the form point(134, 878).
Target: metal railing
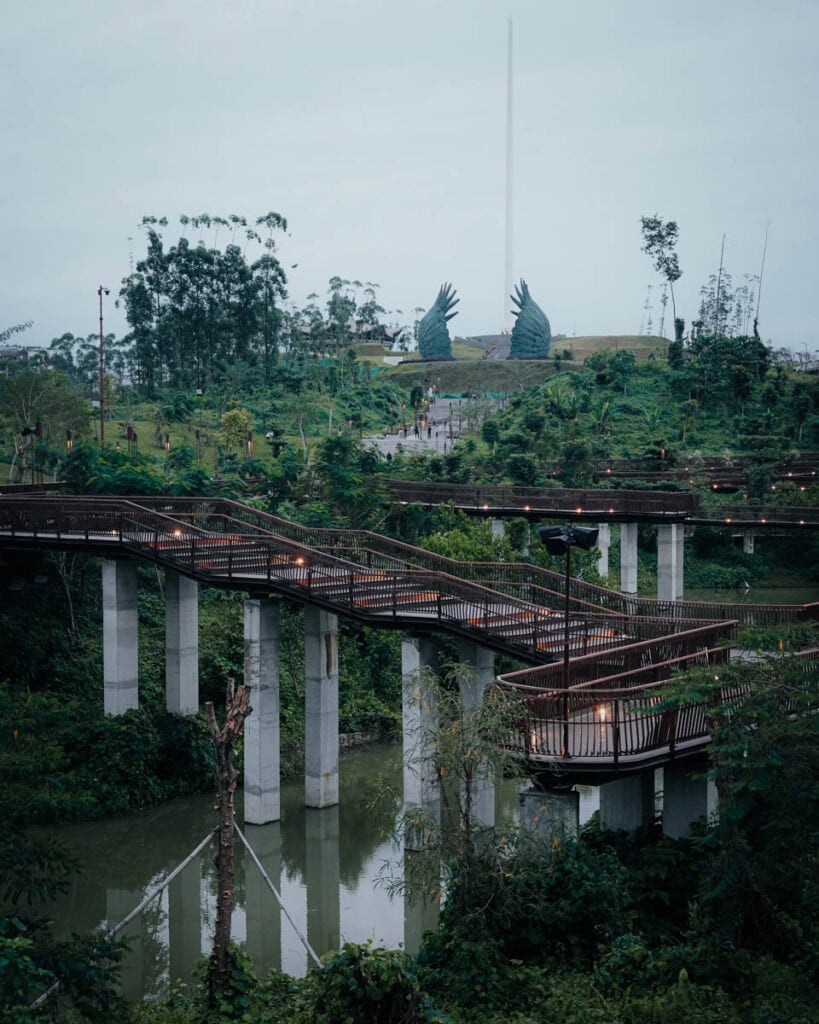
point(530, 583)
point(194, 537)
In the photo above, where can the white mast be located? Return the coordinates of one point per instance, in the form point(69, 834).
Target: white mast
point(507, 281)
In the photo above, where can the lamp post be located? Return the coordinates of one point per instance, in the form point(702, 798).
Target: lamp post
point(100, 291)
point(560, 540)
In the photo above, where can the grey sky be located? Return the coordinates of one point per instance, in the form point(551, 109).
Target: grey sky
point(377, 129)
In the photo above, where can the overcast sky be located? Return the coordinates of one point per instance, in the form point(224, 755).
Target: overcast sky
point(377, 128)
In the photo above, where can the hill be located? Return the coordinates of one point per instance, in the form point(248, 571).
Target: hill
point(470, 370)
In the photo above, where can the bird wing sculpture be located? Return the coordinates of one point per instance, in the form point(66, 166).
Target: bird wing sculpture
point(531, 335)
point(433, 333)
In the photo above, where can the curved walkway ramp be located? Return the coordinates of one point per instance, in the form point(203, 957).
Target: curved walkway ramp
point(529, 583)
point(223, 544)
point(612, 719)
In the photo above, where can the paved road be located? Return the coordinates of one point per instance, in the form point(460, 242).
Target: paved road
point(448, 419)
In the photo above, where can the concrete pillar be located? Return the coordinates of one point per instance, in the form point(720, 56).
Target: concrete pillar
point(321, 878)
point(687, 796)
point(551, 813)
point(261, 786)
point(119, 636)
point(181, 644)
point(420, 725)
point(628, 803)
point(498, 529)
point(670, 541)
point(262, 911)
point(481, 664)
point(603, 544)
point(320, 708)
point(628, 558)
point(185, 922)
point(748, 542)
point(527, 540)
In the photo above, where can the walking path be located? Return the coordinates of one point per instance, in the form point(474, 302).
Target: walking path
point(443, 423)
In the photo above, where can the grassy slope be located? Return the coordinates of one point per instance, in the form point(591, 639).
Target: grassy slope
point(469, 371)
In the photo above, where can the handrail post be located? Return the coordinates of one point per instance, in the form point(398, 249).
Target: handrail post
point(616, 730)
point(230, 561)
point(119, 524)
point(395, 596)
point(351, 588)
point(193, 552)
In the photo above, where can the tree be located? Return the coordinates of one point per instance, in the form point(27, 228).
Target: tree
point(235, 424)
point(659, 242)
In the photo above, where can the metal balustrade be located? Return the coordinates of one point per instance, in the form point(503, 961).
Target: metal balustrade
point(196, 538)
point(602, 505)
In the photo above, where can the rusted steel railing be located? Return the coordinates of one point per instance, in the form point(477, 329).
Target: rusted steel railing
point(589, 502)
point(530, 583)
point(602, 505)
point(621, 720)
point(196, 538)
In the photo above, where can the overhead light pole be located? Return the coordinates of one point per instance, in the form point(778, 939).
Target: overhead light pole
point(560, 540)
point(100, 291)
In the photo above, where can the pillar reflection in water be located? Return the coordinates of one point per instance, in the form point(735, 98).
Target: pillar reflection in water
point(321, 877)
point(118, 904)
point(185, 922)
point(420, 915)
point(262, 911)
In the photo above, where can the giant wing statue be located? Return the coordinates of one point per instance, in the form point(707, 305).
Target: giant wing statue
point(433, 333)
point(531, 335)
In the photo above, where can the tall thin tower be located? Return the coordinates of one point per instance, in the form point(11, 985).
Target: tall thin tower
point(507, 278)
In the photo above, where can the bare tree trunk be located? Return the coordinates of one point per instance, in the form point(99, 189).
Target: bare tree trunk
point(237, 708)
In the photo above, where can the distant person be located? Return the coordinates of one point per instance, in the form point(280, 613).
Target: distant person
point(389, 456)
point(429, 431)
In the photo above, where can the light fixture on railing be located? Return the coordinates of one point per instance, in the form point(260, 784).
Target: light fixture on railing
point(177, 532)
point(299, 560)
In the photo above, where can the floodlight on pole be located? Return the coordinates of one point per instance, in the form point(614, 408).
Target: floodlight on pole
point(560, 540)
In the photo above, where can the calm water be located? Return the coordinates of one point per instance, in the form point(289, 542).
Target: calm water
point(327, 864)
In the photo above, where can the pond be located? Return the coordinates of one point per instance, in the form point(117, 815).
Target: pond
point(331, 866)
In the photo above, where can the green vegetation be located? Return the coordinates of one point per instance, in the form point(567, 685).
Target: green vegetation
point(233, 392)
point(719, 928)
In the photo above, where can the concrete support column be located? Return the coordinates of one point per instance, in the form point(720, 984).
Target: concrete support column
point(628, 803)
point(481, 664)
point(320, 708)
point(185, 922)
point(262, 912)
point(748, 542)
point(321, 878)
point(603, 544)
point(628, 558)
point(119, 636)
point(181, 644)
point(670, 540)
point(261, 786)
point(420, 725)
point(551, 813)
point(498, 529)
point(687, 797)
point(527, 540)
